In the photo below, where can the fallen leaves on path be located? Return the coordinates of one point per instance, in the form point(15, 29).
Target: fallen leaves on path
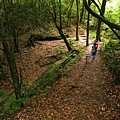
point(86, 92)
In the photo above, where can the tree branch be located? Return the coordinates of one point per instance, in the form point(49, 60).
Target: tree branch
point(110, 24)
point(101, 13)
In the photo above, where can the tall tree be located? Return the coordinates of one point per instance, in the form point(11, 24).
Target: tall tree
point(13, 69)
point(78, 19)
point(99, 21)
point(88, 19)
point(69, 12)
point(56, 12)
point(82, 13)
point(8, 53)
point(12, 21)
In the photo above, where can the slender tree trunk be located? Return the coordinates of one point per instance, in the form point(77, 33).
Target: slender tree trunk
point(69, 14)
point(59, 27)
point(82, 13)
point(87, 39)
point(88, 19)
point(64, 38)
point(60, 15)
point(78, 18)
point(13, 69)
point(99, 21)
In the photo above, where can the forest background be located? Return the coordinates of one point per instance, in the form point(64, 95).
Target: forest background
point(25, 22)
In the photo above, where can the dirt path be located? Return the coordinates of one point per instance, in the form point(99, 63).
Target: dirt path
point(83, 93)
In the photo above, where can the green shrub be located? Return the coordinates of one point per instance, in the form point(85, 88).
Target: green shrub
point(111, 57)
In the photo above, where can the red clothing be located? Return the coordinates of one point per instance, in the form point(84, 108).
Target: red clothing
point(96, 45)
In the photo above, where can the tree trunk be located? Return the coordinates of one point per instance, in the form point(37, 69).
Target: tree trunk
point(59, 27)
point(99, 21)
point(64, 38)
point(88, 19)
point(78, 17)
point(69, 14)
point(13, 69)
point(82, 13)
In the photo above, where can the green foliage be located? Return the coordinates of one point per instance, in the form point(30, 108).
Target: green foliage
point(43, 92)
point(111, 57)
point(23, 17)
point(11, 105)
point(50, 74)
point(113, 11)
point(16, 16)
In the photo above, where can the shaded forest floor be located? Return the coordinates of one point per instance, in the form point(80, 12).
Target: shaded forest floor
point(85, 92)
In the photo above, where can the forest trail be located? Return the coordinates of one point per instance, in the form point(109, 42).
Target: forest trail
point(83, 93)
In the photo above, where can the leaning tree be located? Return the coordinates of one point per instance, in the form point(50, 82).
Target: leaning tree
point(101, 17)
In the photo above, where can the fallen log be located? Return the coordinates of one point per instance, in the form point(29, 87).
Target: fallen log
point(39, 37)
point(42, 37)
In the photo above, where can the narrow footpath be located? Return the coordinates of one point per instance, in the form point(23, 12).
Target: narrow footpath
point(83, 93)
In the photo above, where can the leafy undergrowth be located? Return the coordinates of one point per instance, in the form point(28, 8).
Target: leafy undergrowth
point(111, 57)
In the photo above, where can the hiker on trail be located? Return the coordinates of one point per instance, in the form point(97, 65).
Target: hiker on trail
point(94, 50)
